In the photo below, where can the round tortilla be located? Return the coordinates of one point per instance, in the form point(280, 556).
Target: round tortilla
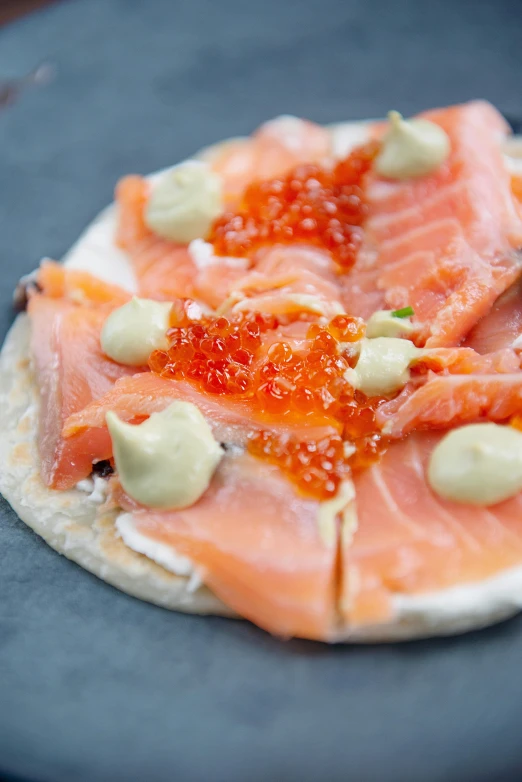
point(75, 526)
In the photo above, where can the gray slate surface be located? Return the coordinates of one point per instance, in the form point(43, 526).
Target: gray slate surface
point(93, 684)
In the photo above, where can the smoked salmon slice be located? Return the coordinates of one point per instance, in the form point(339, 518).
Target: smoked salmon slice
point(136, 398)
point(470, 388)
point(164, 269)
point(408, 541)
point(258, 546)
point(466, 361)
point(275, 148)
point(445, 244)
point(285, 279)
point(79, 287)
point(452, 400)
point(217, 277)
point(501, 326)
point(71, 371)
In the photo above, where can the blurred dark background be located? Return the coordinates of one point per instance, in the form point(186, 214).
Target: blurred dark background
point(13, 9)
point(93, 684)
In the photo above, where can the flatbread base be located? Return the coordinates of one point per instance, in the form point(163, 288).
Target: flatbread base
point(75, 526)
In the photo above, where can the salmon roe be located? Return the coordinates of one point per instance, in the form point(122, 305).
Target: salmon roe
point(229, 356)
point(214, 353)
point(319, 205)
point(317, 466)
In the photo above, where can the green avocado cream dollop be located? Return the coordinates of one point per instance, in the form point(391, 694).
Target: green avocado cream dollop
point(411, 148)
point(167, 461)
point(477, 464)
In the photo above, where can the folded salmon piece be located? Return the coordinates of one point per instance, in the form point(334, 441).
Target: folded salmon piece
point(71, 371)
point(446, 244)
point(164, 270)
point(466, 361)
point(409, 541)
point(258, 545)
point(460, 387)
point(452, 400)
point(135, 398)
point(285, 279)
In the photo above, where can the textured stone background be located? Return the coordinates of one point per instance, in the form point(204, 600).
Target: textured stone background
point(93, 684)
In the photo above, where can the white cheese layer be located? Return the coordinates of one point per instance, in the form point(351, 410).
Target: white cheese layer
point(161, 553)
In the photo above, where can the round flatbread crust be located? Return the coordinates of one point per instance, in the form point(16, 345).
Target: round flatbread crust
point(75, 526)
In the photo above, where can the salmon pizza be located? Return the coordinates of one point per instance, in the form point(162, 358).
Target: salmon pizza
point(282, 381)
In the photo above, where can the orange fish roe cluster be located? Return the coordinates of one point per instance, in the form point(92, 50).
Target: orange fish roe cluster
point(227, 356)
point(316, 466)
point(215, 353)
point(313, 204)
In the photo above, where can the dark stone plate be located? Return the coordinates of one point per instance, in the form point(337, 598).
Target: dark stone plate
point(95, 685)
